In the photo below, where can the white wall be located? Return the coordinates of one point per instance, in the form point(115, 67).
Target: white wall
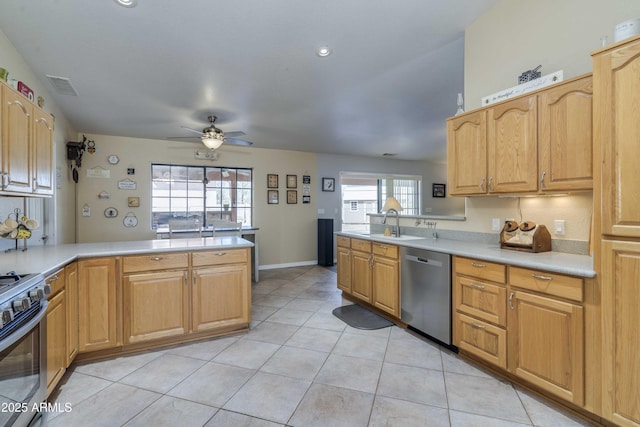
point(287, 233)
point(59, 222)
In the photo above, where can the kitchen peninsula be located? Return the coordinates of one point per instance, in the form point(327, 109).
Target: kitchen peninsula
point(113, 298)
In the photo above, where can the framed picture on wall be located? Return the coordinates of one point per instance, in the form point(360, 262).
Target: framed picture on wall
point(292, 181)
point(439, 190)
point(328, 184)
point(272, 197)
point(272, 180)
point(292, 197)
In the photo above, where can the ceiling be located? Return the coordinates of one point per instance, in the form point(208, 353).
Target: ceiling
point(391, 80)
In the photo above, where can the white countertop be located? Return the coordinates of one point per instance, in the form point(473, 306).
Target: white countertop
point(555, 262)
point(47, 258)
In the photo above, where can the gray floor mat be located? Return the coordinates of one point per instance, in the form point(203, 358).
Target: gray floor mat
point(359, 317)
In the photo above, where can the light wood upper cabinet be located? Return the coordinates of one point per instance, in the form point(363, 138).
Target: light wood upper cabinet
point(565, 136)
point(17, 114)
point(98, 309)
point(155, 305)
point(617, 132)
point(42, 153)
point(541, 142)
point(467, 153)
point(27, 146)
point(513, 146)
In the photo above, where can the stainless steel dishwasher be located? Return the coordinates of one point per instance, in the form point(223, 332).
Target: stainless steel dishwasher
point(426, 292)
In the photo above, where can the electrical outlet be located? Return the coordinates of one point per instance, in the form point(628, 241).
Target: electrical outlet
point(495, 224)
point(558, 227)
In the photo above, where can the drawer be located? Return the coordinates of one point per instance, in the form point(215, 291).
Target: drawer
point(345, 242)
point(547, 283)
point(56, 281)
point(480, 299)
point(481, 269)
point(151, 262)
point(389, 251)
point(225, 256)
point(481, 339)
point(361, 245)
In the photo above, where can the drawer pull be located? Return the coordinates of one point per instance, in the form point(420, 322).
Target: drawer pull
point(383, 247)
point(473, 285)
point(475, 264)
point(537, 276)
point(478, 326)
point(52, 278)
point(156, 258)
point(220, 253)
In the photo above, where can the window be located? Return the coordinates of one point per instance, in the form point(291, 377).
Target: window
point(202, 192)
point(363, 194)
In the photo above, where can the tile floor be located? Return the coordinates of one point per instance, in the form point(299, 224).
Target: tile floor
point(298, 366)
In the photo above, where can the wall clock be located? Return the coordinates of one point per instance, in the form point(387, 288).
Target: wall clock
point(113, 159)
point(111, 212)
point(130, 220)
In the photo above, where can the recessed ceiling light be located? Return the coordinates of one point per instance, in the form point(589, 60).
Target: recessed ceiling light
point(323, 51)
point(127, 3)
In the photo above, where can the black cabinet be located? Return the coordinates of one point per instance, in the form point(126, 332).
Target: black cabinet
point(325, 241)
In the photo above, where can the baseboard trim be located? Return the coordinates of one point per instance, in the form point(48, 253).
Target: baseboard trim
point(288, 264)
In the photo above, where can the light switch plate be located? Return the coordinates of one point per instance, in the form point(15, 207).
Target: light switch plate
point(495, 224)
point(558, 227)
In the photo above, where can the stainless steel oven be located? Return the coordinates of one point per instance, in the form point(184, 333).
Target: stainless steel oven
point(23, 358)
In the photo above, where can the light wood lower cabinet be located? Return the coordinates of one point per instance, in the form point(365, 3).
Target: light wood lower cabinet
point(56, 339)
point(155, 305)
point(71, 288)
point(531, 324)
point(344, 268)
point(370, 272)
point(546, 344)
point(220, 297)
point(620, 336)
point(98, 304)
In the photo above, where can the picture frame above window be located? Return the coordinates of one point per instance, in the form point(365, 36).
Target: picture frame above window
point(292, 181)
point(273, 197)
point(328, 184)
point(439, 190)
point(272, 180)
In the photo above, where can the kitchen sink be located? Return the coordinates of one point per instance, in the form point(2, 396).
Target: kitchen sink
point(402, 237)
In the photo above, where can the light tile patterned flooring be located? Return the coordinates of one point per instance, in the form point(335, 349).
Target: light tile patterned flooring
point(298, 366)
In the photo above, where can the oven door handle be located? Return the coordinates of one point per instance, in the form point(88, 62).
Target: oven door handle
point(24, 329)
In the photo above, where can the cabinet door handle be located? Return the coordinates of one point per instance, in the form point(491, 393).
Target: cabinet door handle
point(478, 326)
point(473, 285)
point(490, 183)
point(511, 301)
point(184, 277)
point(35, 183)
point(482, 184)
point(542, 179)
point(537, 276)
point(155, 258)
point(5, 180)
point(220, 253)
point(475, 264)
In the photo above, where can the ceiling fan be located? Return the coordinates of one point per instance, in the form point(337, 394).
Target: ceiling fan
point(213, 137)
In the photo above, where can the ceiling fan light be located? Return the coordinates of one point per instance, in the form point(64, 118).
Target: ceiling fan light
point(323, 51)
point(127, 3)
point(212, 140)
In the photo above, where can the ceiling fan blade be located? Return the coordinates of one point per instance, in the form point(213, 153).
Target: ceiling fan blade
point(199, 132)
point(234, 134)
point(236, 141)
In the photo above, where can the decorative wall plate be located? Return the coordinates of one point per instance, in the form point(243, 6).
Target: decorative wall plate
point(130, 220)
point(111, 212)
point(113, 159)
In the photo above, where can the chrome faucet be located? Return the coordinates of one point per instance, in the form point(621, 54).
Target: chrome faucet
point(384, 220)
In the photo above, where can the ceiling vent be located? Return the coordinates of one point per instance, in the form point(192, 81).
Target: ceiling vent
point(62, 85)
